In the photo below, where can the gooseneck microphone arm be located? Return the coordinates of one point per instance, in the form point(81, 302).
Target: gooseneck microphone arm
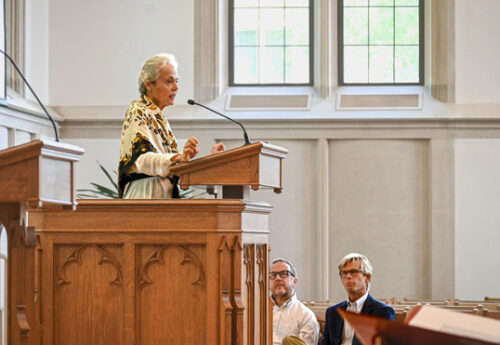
point(247, 141)
point(33, 92)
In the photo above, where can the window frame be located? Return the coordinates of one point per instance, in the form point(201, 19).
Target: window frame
point(231, 82)
point(421, 43)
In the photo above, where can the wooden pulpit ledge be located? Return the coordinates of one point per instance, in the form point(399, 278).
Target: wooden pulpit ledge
point(255, 166)
point(137, 271)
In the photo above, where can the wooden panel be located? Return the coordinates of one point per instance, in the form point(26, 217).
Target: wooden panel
point(88, 296)
point(171, 294)
point(160, 282)
point(245, 171)
point(17, 182)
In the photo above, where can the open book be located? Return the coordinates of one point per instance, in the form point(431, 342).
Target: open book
point(452, 322)
point(424, 329)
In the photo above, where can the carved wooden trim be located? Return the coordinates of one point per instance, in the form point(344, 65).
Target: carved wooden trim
point(14, 235)
point(38, 276)
point(236, 300)
point(158, 257)
point(22, 321)
point(29, 236)
point(249, 262)
point(14, 221)
point(262, 268)
point(76, 258)
point(225, 309)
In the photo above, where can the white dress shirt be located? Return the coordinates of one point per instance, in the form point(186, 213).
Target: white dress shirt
point(294, 318)
point(355, 307)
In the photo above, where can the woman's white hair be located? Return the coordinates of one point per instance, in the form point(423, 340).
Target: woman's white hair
point(150, 71)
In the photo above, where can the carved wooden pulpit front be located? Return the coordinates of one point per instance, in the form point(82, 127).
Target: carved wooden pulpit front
point(148, 271)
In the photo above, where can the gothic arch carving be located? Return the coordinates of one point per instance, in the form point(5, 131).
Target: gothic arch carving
point(158, 257)
point(76, 258)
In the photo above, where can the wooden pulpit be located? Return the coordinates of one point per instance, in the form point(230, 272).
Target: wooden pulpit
point(147, 271)
point(33, 175)
point(255, 166)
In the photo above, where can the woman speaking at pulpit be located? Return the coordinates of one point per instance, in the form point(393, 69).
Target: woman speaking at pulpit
point(148, 145)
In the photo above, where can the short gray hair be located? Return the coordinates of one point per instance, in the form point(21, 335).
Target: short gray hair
point(151, 69)
point(292, 267)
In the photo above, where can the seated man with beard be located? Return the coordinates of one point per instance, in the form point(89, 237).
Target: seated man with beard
point(293, 322)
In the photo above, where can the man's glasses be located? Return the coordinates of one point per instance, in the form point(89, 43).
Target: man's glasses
point(282, 274)
point(344, 274)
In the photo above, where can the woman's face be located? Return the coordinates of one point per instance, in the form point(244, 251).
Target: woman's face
point(163, 91)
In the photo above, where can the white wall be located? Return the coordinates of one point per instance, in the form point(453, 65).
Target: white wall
point(104, 151)
point(379, 192)
point(477, 51)
point(98, 46)
point(37, 48)
point(477, 232)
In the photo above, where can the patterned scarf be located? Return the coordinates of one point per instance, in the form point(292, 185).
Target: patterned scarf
point(144, 130)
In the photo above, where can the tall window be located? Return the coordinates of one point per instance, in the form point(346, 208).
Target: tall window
point(270, 42)
point(381, 42)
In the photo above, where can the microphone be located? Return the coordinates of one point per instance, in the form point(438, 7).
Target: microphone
point(245, 135)
point(33, 92)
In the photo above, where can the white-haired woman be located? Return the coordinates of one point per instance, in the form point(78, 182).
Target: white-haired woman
point(148, 146)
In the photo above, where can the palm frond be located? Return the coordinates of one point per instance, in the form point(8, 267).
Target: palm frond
point(112, 180)
point(105, 190)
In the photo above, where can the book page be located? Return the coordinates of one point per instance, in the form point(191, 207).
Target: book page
point(457, 323)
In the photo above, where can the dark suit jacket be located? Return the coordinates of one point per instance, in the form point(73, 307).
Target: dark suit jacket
point(334, 323)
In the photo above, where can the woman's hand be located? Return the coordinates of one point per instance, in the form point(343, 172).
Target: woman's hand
point(190, 150)
point(216, 148)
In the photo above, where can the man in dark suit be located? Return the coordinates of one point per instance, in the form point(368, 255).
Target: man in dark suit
point(355, 271)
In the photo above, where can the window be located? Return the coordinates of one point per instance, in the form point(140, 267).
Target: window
point(381, 42)
point(270, 42)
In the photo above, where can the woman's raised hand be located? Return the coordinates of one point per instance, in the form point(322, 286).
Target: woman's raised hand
point(190, 150)
point(216, 148)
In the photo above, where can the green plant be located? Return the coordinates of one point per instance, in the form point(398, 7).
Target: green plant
point(103, 192)
point(100, 191)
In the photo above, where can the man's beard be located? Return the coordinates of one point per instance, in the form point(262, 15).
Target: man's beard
point(283, 293)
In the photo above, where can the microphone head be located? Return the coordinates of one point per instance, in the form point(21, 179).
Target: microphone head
point(190, 101)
